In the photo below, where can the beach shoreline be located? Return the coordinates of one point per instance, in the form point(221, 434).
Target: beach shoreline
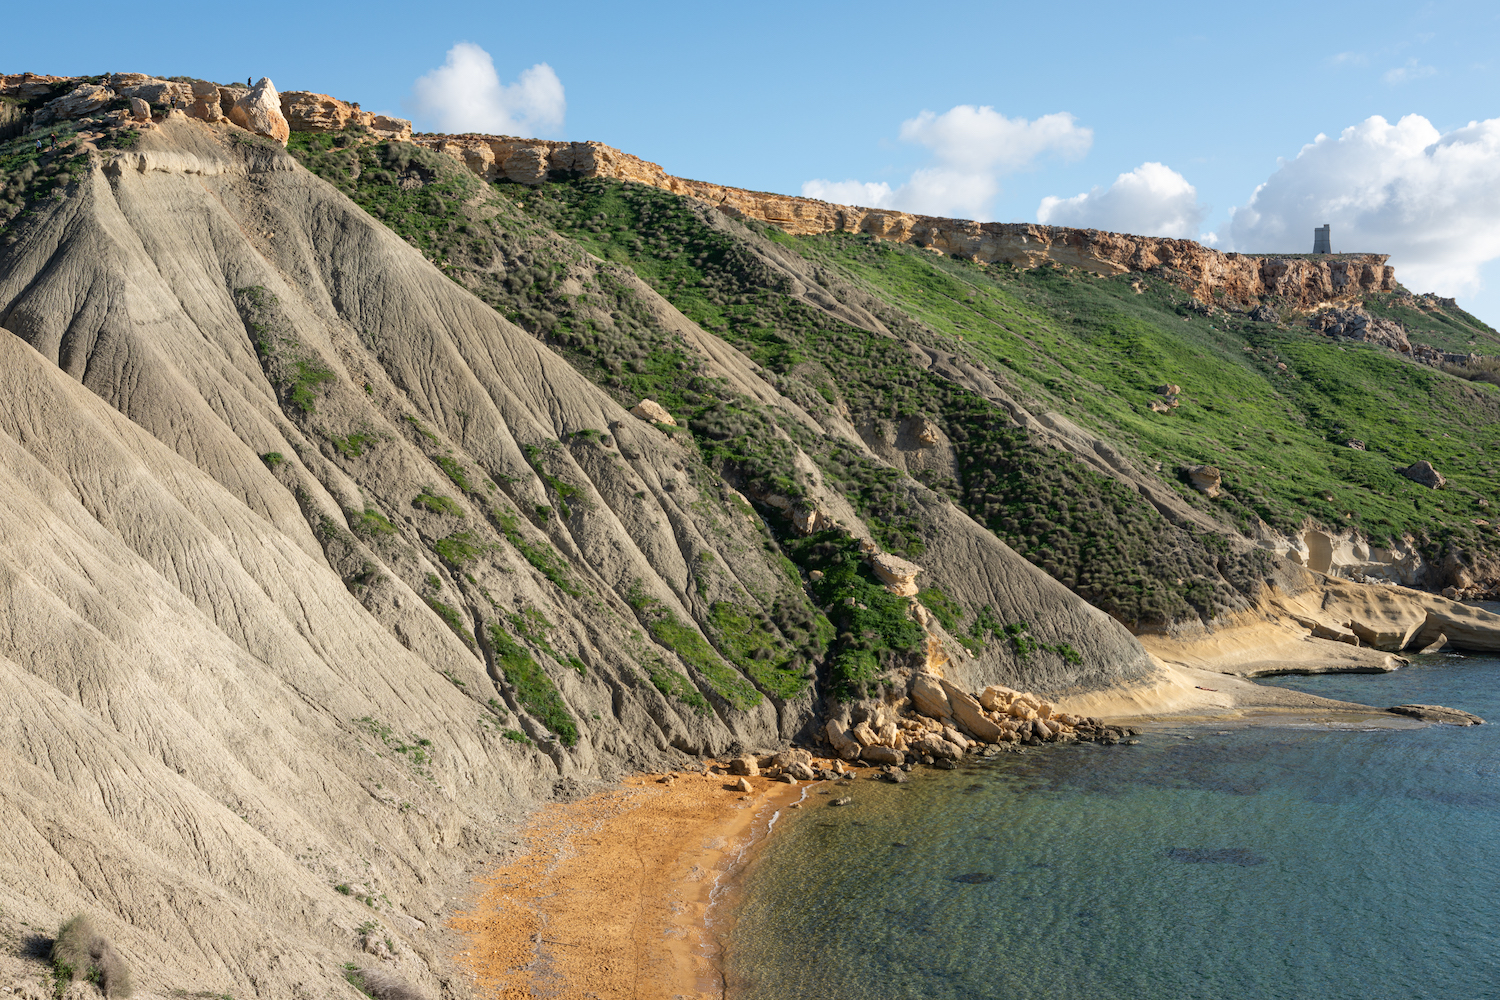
point(614, 893)
point(630, 891)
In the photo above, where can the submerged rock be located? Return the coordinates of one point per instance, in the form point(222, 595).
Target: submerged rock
point(974, 878)
point(1242, 856)
point(1437, 713)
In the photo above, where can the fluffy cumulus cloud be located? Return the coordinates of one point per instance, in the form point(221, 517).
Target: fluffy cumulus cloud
point(971, 149)
point(1151, 200)
point(465, 95)
point(1429, 199)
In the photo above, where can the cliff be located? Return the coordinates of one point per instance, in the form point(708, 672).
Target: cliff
point(1241, 279)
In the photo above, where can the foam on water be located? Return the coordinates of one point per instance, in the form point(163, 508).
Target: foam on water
point(1248, 862)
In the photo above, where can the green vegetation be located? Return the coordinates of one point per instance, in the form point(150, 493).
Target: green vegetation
point(453, 619)
point(437, 503)
point(534, 689)
point(273, 459)
point(290, 366)
point(752, 644)
point(352, 446)
point(459, 548)
point(416, 750)
point(537, 457)
point(542, 557)
point(669, 630)
point(874, 632)
point(674, 685)
point(370, 523)
point(454, 471)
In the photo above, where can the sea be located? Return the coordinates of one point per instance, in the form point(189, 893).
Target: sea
point(1280, 857)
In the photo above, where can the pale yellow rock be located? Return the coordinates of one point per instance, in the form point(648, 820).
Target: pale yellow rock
point(259, 111)
point(862, 734)
point(898, 575)
point(653, 412)
point(929, 697)
point(969, 714)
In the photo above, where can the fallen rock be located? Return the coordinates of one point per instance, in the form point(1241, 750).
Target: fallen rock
point(744, 785)
point(864, 735)
point(898, 575)
point(881, 755)
point(929, 697)
point(1356, 444)
point(787, 778)
point(1437, 713)
point(1322, 631)
point(926, 433)
point(1435, 645)
point(936, 748)
point(1424, 474)
point(1205, 479)
point(259, 111)
point(80, 101)
point(139, 109)
point(744, 765)
point(801, 771)
point(895, 776)
point(968, 712)
point(845, 801)
point(652, 412)
point(843, 744)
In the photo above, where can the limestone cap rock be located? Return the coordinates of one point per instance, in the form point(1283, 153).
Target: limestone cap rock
point(651, 411)
point(259, 111)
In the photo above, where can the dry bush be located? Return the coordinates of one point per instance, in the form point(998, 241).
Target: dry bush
point(384, 985)
point(81, 950)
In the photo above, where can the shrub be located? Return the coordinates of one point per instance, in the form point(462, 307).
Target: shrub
point(80, 950)
point(382, 984)
point(437, 503)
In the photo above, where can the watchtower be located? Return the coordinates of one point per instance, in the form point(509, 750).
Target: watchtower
point(1322, 239)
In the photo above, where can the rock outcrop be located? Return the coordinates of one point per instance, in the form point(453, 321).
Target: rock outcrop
point(652, 412)
point(1206, 479)
point(309, 112)
point(1298, 282)
point(1437, 713)
point(1424, 474)
point(1354, 323)
point(259, 111)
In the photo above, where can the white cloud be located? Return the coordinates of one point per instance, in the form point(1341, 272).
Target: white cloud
point(862, 193)
point(1151, 200)
point(1430, 200)
point(972, 148)
point(1413, 70)
point(465, 95)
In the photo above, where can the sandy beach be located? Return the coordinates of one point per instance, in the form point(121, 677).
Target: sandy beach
point(611, 898)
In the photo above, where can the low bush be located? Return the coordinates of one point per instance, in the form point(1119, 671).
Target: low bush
point(81, 951)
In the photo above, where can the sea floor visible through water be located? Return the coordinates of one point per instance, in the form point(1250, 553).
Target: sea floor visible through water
point(1285, 858)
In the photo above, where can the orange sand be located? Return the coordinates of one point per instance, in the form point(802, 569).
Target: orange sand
point(611, 898)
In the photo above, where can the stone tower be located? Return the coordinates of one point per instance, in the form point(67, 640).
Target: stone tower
point(1322, 240)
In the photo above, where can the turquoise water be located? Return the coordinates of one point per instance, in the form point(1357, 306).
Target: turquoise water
point(1249, 862)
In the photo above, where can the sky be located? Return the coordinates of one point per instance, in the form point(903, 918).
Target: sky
point(1245, 127)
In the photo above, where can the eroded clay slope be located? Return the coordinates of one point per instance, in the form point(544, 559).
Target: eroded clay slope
point(318, 571)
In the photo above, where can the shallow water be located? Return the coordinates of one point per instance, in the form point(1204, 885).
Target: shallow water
point(1247, 862)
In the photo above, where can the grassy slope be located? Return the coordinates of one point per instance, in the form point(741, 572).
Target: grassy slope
point(1093, 349)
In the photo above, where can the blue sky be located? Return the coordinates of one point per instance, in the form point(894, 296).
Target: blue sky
point(774, 96)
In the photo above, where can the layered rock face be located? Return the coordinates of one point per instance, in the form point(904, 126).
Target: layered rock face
point(309, 112)
point(1301, 283)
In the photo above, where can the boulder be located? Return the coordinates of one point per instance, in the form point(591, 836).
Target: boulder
point(652, 412)
point(881, 755)
point(1205, 479)
point(864, 735)
point(929, 697)
point(744, 785)
point(937, 748)
point(1435, 645)
point(206, 105)
point(898, 575)
point(846, 746)
point(140, 110)
point(1437, 713)
point(801, 771)
point(1423, 473)
point(743, 765)
point(1355, 443)
point(78, 102)
point(996, 697)
point(259, 111)
point(968, 712)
